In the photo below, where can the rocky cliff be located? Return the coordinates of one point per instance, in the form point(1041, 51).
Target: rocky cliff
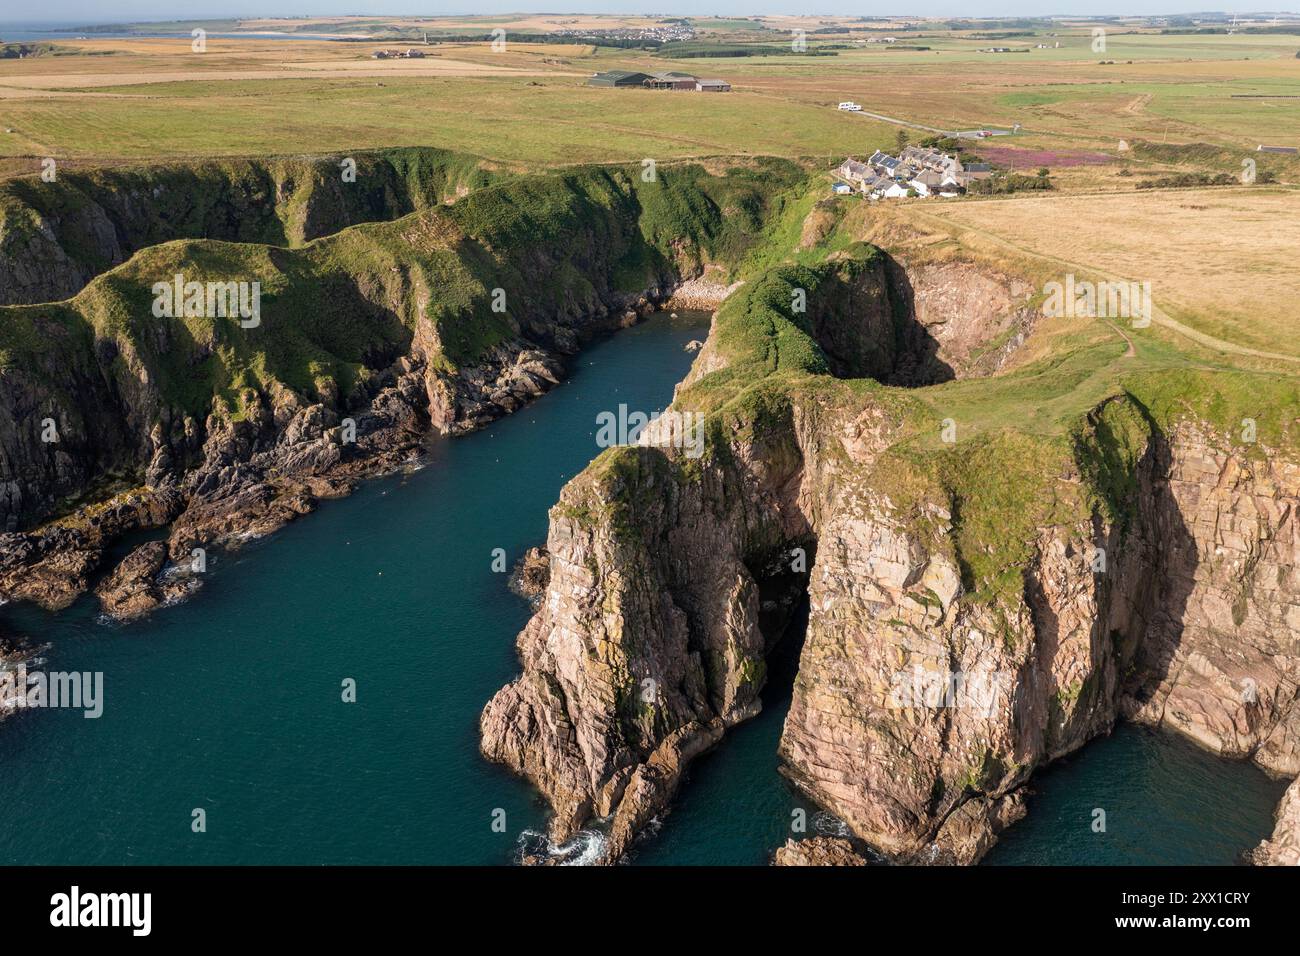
point(980, 604)
point(56, 236)
point(1283, 849)
point(114, 419)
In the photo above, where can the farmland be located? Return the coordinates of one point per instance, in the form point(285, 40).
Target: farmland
point(140, 97)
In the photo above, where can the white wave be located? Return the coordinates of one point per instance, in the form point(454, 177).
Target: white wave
point(827, 824)
point(584, 848)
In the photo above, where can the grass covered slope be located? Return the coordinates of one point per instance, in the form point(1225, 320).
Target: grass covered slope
point(1046, 442)
point(522, 260)
point(55, 236)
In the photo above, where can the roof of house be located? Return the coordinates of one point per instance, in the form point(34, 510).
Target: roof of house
point(978, 168)
point(713, 82)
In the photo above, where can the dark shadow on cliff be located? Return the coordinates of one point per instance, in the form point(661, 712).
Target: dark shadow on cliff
point(1145, 582)
point(1167, 556)
point(918, 363)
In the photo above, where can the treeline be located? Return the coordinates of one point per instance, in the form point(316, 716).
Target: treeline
point(1003, 183)
point(1290, 30)
point(691, 51)
point(621, 43)
point(1017, 24)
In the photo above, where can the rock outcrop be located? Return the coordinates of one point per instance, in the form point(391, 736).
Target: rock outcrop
point(138, 585)
point(974, 613)
point(639, 657)
point(818, 851)
point(1283, 849)
point(531, 575)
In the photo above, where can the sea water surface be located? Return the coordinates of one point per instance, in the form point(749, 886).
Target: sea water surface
point(231, 702)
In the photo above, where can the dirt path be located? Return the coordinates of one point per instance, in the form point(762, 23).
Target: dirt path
point(1138, 104)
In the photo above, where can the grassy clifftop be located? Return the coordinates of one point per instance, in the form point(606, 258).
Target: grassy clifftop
point(55, 236)
point(1047, 443)
point(536, 258)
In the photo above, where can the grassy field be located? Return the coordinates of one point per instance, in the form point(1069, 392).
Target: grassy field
point(147, 97)
point(1219, 260)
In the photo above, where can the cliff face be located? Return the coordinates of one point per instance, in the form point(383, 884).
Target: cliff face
point(57, 236)
point(113, 419)
point(1283, 849)
point(976, 610)
point(1219, 659)
point(650, 640)
point(895, 724)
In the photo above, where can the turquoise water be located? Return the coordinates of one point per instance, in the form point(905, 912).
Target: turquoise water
point(231, 701)
point(1166, 802)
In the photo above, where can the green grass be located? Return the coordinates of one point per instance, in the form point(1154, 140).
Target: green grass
point(556, 121)
point(337, 310)
point(1087, 410)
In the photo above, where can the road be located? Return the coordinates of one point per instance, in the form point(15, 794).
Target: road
point(960, 134)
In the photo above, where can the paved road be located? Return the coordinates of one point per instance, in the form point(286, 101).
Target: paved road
point(961, 134)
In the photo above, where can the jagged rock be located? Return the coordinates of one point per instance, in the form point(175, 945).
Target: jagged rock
point(135, 587)
point(818, 851)
point(1283, 849)
point(531, 575)
point(972, 829)
point(921, 707)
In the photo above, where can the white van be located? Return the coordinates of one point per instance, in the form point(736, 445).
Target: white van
point(850, 107)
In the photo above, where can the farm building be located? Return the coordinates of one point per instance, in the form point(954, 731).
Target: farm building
point(671, 81)
point(619, 78)
point(1278, 149)
point(713, 86)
